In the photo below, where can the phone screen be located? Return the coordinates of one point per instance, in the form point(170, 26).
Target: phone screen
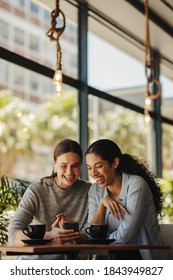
point(71, 225)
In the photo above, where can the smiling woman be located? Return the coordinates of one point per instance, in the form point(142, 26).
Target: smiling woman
point(68, 166)
point(54, 199)
point(126, 196)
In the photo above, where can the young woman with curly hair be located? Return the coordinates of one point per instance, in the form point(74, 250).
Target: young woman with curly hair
point(126, 196)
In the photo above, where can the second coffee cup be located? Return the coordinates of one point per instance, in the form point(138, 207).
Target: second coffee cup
point(97, 231)
point(35, 231)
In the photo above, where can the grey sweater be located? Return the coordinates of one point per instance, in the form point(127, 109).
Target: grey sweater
point(42, 202)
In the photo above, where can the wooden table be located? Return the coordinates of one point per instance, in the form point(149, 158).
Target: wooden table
point(71, 249)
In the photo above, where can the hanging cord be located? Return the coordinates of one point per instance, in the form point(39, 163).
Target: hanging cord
point(149, 71)
point(55, 32)
point(149, 62)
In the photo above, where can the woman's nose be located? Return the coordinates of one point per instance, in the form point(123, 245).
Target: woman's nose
point(94, 171)
point(69, 170)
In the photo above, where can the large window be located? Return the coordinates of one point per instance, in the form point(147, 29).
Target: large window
point(32, 118)
point(29, 130)
point(110, 69)
point(113, 71)
point(115, 82)
point(107, 120)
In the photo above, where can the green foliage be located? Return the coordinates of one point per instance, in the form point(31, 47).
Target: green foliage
point(167, 189)
point(55, 119)
point(25, 133)
point(11, 192)
point(5, 98)
point(14, 114)
point(125, 129)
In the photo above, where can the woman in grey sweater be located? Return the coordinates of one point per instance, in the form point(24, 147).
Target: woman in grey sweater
point(55, 198)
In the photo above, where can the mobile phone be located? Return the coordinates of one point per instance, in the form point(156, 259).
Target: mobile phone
point(71, 225)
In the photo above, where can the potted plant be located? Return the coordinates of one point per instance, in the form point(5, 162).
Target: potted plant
point(11, 192)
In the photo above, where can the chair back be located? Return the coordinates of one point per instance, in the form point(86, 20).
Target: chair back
point(167, 236)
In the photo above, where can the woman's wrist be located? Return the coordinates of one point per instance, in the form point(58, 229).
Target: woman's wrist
point(51, 234)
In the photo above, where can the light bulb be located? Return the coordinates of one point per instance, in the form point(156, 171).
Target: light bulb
point(58, 81)
point(58, 77)
point(148, 101)
point(58, 89)
point(147, 118)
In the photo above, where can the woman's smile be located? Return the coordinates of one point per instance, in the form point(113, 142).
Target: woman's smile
point(100, 180)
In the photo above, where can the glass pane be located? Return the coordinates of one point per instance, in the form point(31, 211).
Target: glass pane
point(112, 70)
point(34, 7)
point(4, 27)
point(107, 120)
point(32, 120)
point(30, 36)
point(167, 97)
point(167, 151)
point(34, 43)
point(19, 37)
point(167, 180)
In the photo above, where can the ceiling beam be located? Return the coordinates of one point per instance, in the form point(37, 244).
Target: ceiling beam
point(152, 16)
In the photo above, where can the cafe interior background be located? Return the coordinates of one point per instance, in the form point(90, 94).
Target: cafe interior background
point(104, 89)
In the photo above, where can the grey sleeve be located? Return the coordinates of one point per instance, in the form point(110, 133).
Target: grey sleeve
point(24, 214)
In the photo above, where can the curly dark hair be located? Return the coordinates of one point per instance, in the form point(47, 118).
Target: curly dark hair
point(109, 150)
point(133, 165)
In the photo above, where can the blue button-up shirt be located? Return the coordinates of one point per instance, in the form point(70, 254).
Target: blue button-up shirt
point(141, 224)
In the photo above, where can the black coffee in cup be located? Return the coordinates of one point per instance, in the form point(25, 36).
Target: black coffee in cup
point(35, 231)
point(98, 231)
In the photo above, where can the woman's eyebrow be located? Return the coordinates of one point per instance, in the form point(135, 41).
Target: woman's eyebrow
point(99, 162)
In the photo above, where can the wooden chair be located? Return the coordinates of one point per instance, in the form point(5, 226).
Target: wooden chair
point(167, 235)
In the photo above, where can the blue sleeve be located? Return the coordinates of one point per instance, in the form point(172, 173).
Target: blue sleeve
point(92, 203)
point(137, 201)
point(95, 195)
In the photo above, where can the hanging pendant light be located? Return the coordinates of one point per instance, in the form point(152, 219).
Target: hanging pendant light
point(54, 34)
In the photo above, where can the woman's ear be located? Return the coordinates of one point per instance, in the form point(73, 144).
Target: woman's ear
point(55, 170)
point(116, 162)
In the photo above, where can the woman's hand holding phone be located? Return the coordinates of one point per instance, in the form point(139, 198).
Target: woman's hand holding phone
point(71, 225)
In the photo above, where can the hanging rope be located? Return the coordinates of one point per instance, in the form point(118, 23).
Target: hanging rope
point(149, 71)
point(149, 62)
point(54, 34)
